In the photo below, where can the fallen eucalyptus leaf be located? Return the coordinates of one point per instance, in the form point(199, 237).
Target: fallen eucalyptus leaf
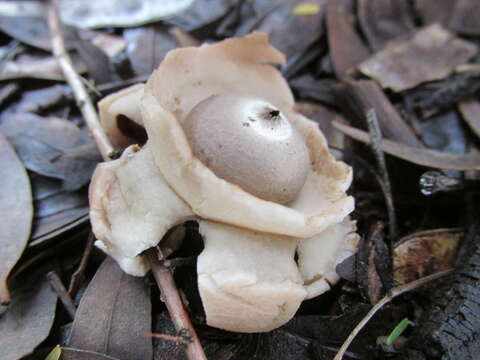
point(35, 101)
point(147, 46)
point(37, 67)
point(52, 147)
point(27, 321)
point(200, 14)
point(347, 49)
point(424, 253)
point(16, 211)
point(49, 227)
point(104, 13)
point(470, 111)
point(289, 32)
point(430, 53)
point(77, 354)
point(113, 315)
point(384, 20)
point(425, 157)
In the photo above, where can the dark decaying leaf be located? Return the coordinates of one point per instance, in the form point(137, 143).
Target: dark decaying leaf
point(31, 30)
point(76, 354)
point(425, 157)
point(323, 117)
point(200, 14)
point(52, 147)
point(460, 15)
point(430, 53)
point(16, 211)
point(147, 46)
point(424, 253)
point(36, 66)
point(384, 20)
point(465, 17)
point(360, 96)
point(35, 101)
point(113, 315)
point(97, 62)
point(445, 132)
point(432, 11)
point(285, 28)
point(308, 88)
point(470, 111)
point(27, 321)
point(105, 13)
point(347, 49)
point(374, 265)
point(48, 227)
point(8, 90)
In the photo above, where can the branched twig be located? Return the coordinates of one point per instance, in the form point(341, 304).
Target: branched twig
point(393, 293)
point(376, 140)
point(162, 275)
point(78, 274)
point(75, 82)
point(171, 297)
point(62, 293)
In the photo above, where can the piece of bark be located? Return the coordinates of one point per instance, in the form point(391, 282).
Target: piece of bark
point(384, 20)
point(451, 328)
point(360, 96)
point(430, 53)
point(16, 211)
point(419, 156)
point(347, 49)
point(470, 111)
point(435, 97)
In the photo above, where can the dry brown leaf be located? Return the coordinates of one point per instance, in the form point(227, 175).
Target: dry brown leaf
point(384, 20)
point(347, 49)
point(16, 211)
point(430, 53)
point(470, 111)
point(27, 321)
point(424, 253)
point(425, 157)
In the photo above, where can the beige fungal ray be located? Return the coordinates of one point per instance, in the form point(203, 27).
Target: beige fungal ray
point(319, 256)
point(122, 103)
point(248, 281)
point(132, 208)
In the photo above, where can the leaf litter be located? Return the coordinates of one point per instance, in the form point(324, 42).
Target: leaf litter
point(325, 46)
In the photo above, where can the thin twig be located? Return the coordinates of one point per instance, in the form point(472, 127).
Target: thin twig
point(178, 339)
point(162, 275)
point(171, 297)
point(393, 293)
point(74, 80)
point(62, 293)
point(78, 274)
point(376, 141)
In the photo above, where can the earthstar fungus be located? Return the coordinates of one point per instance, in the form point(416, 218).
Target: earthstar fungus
point(286, 201)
